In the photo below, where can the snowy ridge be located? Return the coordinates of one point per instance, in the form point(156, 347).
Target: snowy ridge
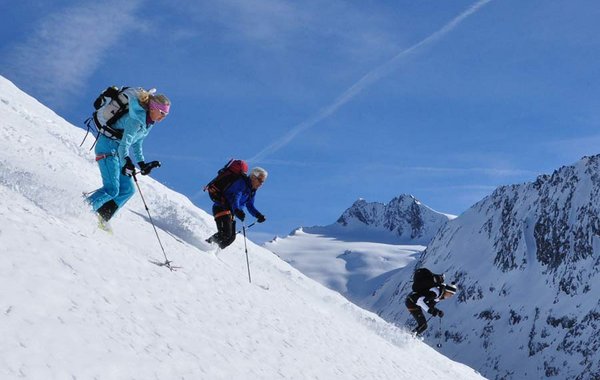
point(76, 302)
point(527, 262)
point(404, 219)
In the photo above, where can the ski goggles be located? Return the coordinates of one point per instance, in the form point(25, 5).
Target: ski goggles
point(162, 108)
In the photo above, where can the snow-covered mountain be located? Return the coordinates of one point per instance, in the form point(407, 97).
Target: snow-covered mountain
point(403, 220)
point(78, 303)
point(527, 261)
point(368, 244)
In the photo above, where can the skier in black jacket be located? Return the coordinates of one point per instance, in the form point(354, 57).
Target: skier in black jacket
point(428, 290)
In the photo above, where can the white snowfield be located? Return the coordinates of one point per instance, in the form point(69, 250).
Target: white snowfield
point(355, 269)
point(79, 303)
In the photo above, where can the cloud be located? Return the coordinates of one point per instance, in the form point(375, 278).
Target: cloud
point(366, 81)
point(67, 46)
point(300, 27)
point(264, 20)
point(266, 23)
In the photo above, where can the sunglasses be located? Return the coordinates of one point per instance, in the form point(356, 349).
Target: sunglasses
point(163, 112)
point(260, 180)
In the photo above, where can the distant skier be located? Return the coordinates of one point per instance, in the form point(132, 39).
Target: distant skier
point(112, 155)
point(428, 290)
point(235, 197)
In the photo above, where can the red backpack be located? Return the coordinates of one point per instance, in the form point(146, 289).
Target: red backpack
point(227, 175)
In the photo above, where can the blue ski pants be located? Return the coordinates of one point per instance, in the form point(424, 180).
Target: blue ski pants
point(116, 186)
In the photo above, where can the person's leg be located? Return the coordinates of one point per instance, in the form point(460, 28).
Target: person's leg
point(126, 190)
point(421, 321)
point(110, 172)
point(215, 238)
point(416, 312)
point(225, 226)
point(228, 233)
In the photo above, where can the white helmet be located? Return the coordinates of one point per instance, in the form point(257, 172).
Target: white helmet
point(449, 290)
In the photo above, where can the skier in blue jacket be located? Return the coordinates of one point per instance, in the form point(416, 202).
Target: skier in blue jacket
point(113, 158)
point(238, 195)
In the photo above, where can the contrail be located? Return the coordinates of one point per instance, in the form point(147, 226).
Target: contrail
point(367, 80)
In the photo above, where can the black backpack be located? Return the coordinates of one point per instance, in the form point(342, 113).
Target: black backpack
point(424, 279)
point(228, 174)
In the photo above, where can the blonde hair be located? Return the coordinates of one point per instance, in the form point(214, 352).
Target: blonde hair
point(145, 96)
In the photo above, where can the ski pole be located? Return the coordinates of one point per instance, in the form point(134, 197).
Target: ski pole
point(247, 227)
point(87, 194)
point(246, 248)
point(439, 345)
point(167, 262)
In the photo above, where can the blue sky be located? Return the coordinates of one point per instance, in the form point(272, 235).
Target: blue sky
point(338, 100)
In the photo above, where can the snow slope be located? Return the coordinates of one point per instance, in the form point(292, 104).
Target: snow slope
point(78, 303)
point(352, 268)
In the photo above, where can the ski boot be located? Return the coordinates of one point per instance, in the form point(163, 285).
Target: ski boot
point(105, 213)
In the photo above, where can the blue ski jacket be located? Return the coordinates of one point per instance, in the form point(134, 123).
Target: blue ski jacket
point(135, 129)
point(240, 194)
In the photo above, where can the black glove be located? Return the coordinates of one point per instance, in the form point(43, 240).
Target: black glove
point(260, 218)
point(146, 168)
point(436, 312)
point(240, 214)
point(128, 169)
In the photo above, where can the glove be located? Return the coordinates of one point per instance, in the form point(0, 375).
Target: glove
point(128, 169)
point(260, 218)
point(240, 214)
point(146, 168)
point(436, 312)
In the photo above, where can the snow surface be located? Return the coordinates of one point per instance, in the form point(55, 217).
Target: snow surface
point(352, 267)
point(79, 303)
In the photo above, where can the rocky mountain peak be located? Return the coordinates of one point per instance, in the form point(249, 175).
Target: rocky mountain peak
point(404, 216)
